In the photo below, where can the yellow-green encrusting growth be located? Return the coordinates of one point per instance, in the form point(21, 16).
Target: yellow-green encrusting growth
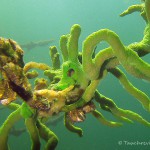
point(107, 59)
point(71, 86)
point(69, 125)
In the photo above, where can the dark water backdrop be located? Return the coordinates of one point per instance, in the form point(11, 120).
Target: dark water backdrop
point(34, 20)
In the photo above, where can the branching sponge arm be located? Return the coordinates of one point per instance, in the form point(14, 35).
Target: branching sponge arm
point(7, 126)
point(73, 42)
point(126, 56)
point(147, 8)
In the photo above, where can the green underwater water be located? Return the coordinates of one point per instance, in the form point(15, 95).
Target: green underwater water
point(34, 20)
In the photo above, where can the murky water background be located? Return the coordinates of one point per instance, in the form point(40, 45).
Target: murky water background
point(35, 20)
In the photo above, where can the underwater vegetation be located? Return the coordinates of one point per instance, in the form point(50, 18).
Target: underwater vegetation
point(71, 87)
